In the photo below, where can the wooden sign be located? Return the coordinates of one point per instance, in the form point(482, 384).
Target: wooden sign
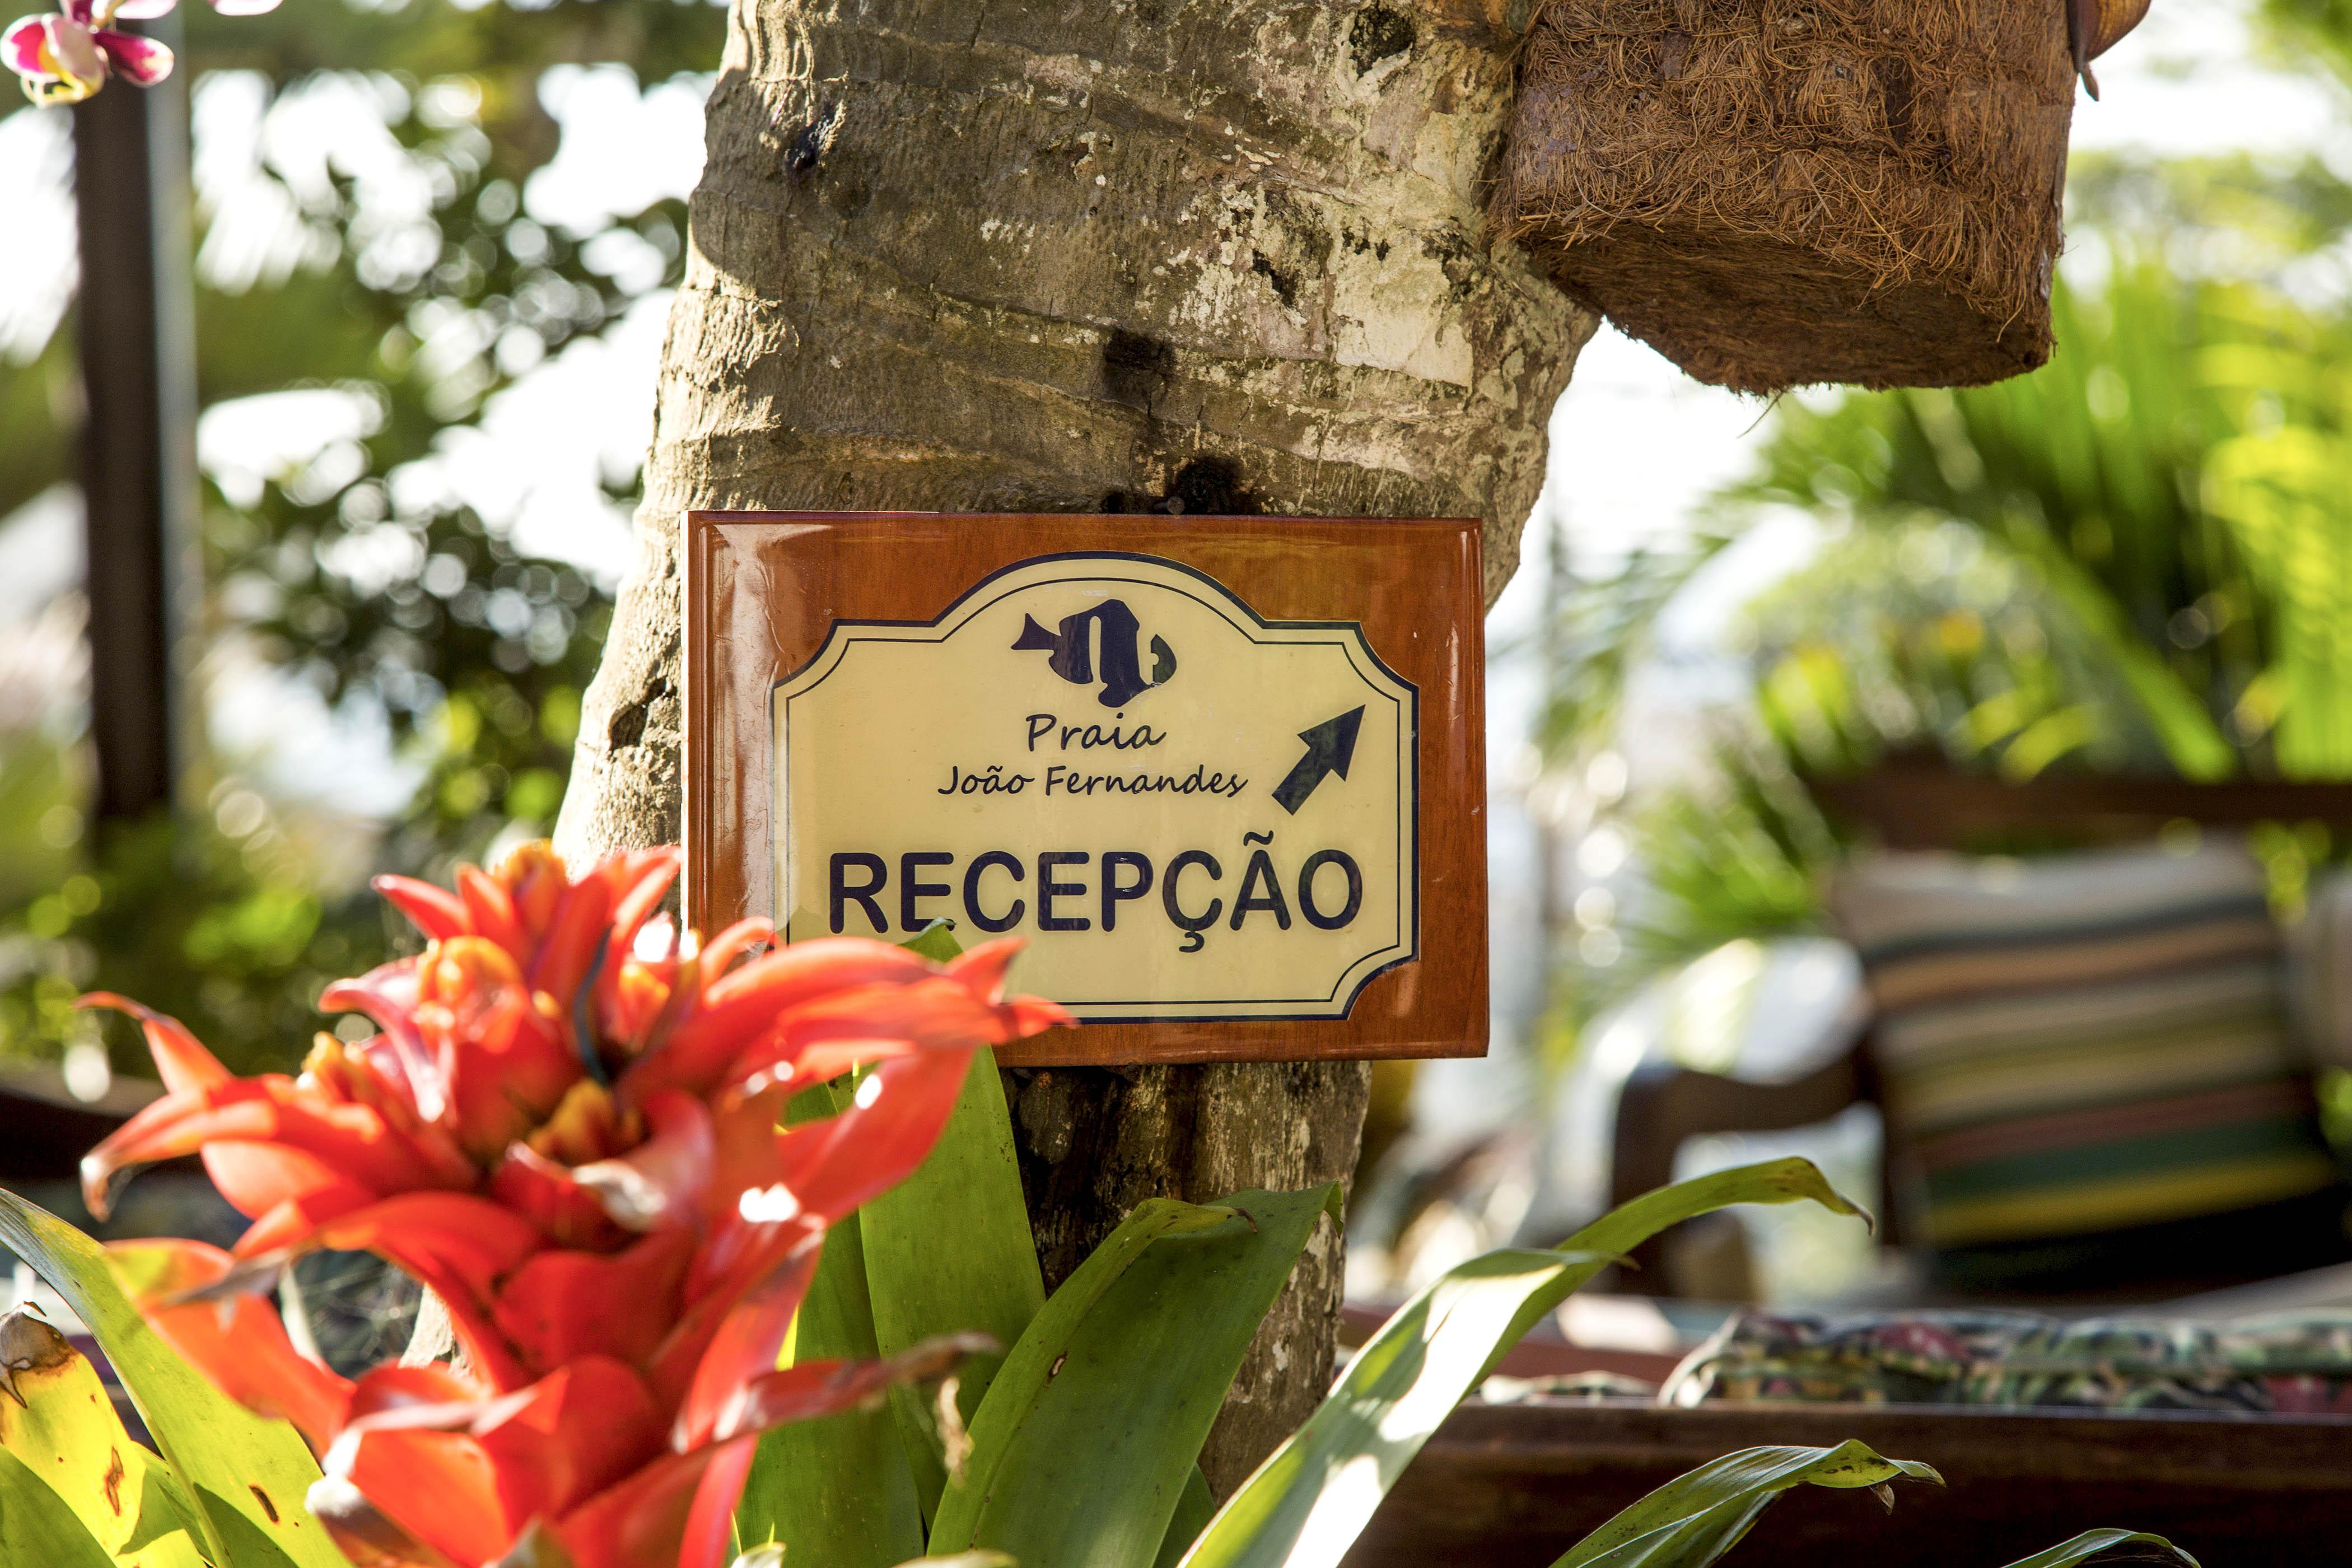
point(1226, 775)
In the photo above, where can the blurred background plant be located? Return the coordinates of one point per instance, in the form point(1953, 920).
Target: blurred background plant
point(2136, 560)
point(434, 243)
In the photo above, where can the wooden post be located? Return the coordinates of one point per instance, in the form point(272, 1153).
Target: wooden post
point(138, 445)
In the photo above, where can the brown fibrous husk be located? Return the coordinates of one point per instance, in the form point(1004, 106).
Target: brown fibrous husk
point(1774, 193)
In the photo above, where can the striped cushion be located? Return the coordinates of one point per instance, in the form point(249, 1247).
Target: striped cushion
point(2320, 960)
point(2082, 1043)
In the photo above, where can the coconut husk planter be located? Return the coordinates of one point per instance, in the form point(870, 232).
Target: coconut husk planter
point(1774, 193)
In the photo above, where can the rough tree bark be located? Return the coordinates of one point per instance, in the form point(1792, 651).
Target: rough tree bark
point(1212, 256)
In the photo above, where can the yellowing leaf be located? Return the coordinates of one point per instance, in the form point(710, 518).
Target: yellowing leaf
point(35, 1525)
point(56, 1417)
point(246, 1478)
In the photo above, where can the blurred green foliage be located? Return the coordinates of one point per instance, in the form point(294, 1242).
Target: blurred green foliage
point(2138, 558)
point(228, 914)
point(1737, 863)
point(243, 960)
point(1600, 630)
point(2168, 502)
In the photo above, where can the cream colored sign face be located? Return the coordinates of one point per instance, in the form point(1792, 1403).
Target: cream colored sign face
point(1189, 812)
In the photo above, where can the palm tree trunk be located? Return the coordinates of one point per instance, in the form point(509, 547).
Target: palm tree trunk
point(1208, 256)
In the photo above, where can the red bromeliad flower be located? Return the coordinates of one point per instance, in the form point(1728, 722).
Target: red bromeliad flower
point(567, 1130)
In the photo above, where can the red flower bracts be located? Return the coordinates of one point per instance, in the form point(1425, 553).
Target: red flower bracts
point(567, 1128)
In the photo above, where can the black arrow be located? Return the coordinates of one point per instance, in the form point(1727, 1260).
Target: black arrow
point(1331, 747)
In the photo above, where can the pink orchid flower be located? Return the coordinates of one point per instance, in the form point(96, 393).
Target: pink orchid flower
point(65, 56)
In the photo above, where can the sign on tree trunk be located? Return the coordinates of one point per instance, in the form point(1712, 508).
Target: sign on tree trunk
point(1224, 776)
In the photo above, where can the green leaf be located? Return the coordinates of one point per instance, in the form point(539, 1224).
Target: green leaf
point(935, 942)
point(1193, 1512)
point(166, 1533)
point(836, 1492)
point(1308, 1501)
point(1695, 1518)
point(2280, 493)
point(247, 1475)
point(1629, 1225)
point(949, 1250)
point(2091, 1542)
point(38, 1527)
point(1087, 1442)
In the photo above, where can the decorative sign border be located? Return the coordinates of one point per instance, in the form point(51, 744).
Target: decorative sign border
point(1405, 948)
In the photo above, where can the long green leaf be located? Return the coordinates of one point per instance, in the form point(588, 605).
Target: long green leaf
point(1310, 1500)
point(167, 1531)
point(935, 942)
point(1696, 1518)
point(946, 1251)
point(1085, 1446)
point(836, 1492)
point(1193, 1512)
point(949, 1250)
point(1629, 1225)
point(37, 1526)
point(2091, 1542)
point(247, 1476)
